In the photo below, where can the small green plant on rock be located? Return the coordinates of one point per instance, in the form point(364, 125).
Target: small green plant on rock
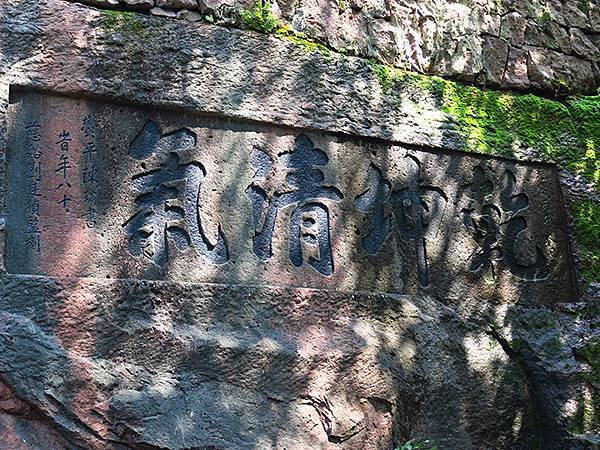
point(123, 22)
point(260, 18)
point(545, 18)
point(414, 444)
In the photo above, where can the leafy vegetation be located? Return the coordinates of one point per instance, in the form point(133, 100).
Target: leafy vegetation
point(260, 18)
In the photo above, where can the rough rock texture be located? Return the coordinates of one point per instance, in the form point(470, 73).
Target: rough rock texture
point(124, 363)
point(457, 39)
point(193, 366)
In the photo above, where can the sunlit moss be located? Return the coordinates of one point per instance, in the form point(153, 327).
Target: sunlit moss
point(497, 123)
point(260, 18)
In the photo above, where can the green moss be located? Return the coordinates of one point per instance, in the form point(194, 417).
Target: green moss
point(590, 412)
point(501, 123)
point(590, 354)
point(385, 74)
point(300, 39)
point(123, 22)
point(584, 6)
point(586, 215)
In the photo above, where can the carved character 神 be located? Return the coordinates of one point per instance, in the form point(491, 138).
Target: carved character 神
point(168, 200)
point(304, 189)
point(414, 211)
point(495, 218)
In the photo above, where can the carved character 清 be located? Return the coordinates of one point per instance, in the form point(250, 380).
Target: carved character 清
point(304, 189)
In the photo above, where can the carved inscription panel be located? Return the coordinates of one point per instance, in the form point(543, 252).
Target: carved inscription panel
point(103, 190)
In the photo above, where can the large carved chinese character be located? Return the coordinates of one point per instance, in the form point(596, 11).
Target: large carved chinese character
point(303, 188)
point(168, 200)
point(496, 219)
point(413, 211)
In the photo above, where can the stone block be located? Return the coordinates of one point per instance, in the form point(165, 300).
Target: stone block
point(100, 191)
point(550, 71)
point(101, 3)
point(594, 14)
point(513, 29)
point(139, 5)
point(515, 76)
point(568, 13)
point(583, 46)
point(557, 38)
point(161, 12)
point(177, 4)
point(191, 16)
point(495, 54)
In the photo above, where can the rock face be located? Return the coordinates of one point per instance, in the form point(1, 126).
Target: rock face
point(460, 40)
point(216, 239)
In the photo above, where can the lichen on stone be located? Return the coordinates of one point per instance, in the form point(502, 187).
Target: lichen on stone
point(124, 22)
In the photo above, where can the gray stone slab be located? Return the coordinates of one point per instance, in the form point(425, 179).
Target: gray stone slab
point(105, 190)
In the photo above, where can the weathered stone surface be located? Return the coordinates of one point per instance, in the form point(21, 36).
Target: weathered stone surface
point(101, 3)
point(516, 75)
point(139, 5)
point(495, 56)
point(191, 16)
point(123, 363)
point(437, 37)
point(557, 38)
point(177, 4)
point(568, 13)
point(594, 14)
point(513, 29)
point(583, 46)
point(211, 5)
point(162, 12)
point(282, 370)
point(550, 70)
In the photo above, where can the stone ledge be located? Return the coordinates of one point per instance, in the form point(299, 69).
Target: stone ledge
point(551, 49)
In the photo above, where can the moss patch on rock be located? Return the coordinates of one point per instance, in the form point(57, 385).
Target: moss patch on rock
point(123, 22)
point(504, 124)
point(590, 354)
point(586, 214)
point(260, 18)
